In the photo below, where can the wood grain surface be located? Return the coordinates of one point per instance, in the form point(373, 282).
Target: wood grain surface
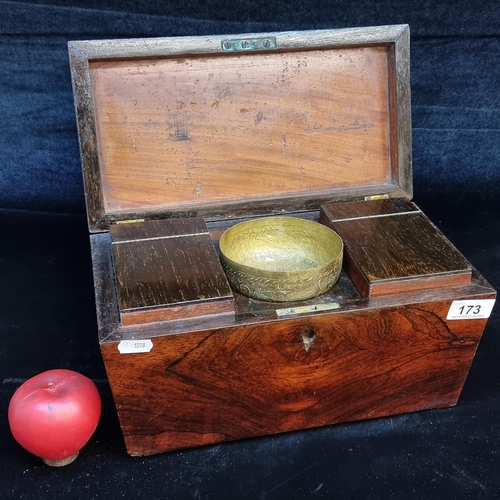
point(392, 247)
point(176, 126)
point(167, 269)
point(225, 377)
point(209, 129)
point(232, 383)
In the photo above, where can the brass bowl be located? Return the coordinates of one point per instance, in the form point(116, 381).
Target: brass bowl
point(281, 259)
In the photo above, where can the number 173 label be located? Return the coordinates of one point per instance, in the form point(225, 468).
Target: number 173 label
point(471, 309)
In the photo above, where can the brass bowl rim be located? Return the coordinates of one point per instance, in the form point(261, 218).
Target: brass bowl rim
point(255, 271)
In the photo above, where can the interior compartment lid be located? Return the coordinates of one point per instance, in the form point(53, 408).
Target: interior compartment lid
point(225, 126)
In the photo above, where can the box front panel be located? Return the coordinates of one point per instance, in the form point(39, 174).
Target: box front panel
point(251, 380)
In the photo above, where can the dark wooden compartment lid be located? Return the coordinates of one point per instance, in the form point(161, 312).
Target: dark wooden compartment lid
point(166, 270)
point(222, 126)
point(392, 247)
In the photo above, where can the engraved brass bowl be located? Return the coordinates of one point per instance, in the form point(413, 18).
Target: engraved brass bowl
point(281, 259)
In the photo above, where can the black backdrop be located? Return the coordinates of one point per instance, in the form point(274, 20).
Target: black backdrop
point(47, 317)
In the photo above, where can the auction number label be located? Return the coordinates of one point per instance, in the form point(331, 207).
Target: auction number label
point(135, 346)
point(471, 309)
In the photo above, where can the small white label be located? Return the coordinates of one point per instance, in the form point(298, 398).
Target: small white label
point(471, 309)
point(133, 346)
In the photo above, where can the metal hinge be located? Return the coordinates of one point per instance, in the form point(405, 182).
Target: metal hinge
point(377, 197)
point(129, 221)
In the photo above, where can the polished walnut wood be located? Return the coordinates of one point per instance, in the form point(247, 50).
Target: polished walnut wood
point(392, 247)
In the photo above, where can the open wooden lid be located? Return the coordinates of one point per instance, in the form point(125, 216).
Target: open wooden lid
point(226, 126)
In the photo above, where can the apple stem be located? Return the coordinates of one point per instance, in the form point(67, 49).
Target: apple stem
point(60, 462)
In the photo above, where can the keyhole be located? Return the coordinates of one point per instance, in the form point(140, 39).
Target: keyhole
point(308, 337)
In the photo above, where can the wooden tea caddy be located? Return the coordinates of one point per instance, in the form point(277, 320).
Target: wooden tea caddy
point(181, 138)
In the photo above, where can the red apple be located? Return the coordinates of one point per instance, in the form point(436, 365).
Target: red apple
point(53, 415)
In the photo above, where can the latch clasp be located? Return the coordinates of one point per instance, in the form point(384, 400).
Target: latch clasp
point(247, 44)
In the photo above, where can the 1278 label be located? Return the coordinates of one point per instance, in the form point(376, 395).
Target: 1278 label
point(471, 309)
point(135, 346)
